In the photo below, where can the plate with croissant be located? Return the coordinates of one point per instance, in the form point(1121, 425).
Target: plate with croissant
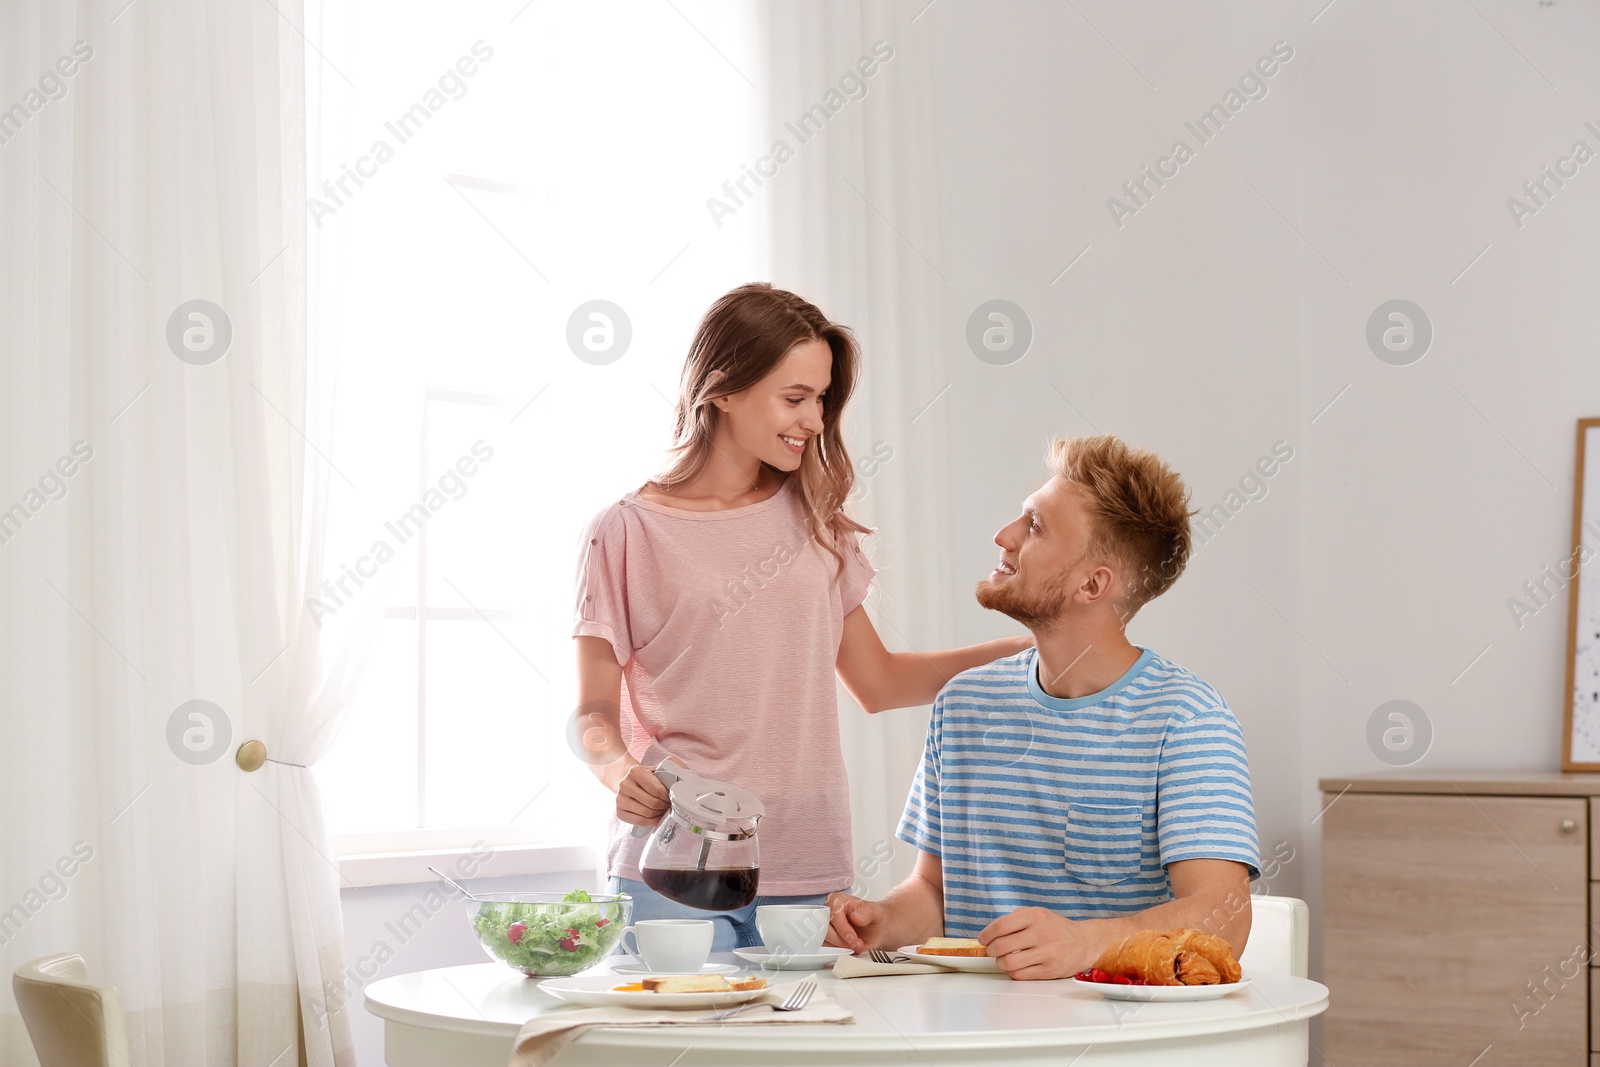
point(1155, 965)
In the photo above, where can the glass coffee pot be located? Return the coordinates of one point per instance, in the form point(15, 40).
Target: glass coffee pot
point(703, 852)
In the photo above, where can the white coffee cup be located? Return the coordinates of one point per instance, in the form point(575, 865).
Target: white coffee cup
point(677, 945)
point(792, 929)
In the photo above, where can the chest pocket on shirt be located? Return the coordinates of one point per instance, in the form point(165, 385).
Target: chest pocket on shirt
point(1102, 842)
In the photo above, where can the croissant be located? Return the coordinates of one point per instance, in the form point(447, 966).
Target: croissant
point(1175, 957)
point(1214, 950)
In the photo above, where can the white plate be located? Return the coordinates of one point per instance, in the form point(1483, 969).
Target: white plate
point(980, 964)
point(709, 968)
point(811, 961)
point(1167, 993)
point(597, 991)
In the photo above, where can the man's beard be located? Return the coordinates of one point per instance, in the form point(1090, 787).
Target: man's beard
point(1037, 611)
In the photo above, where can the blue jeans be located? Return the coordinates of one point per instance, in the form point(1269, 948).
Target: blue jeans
point(732, 929)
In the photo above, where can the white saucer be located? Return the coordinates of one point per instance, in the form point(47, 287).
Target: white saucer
point(709, 968)
point(770, 961)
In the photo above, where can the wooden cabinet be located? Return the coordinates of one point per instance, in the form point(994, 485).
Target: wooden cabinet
point(1455, 920)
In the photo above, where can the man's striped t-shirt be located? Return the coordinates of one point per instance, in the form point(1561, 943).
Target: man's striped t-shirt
point(1076, 805)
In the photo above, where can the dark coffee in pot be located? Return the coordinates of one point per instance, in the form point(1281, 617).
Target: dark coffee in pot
point(711, 889)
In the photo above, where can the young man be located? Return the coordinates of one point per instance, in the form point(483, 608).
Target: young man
point(1087, 788)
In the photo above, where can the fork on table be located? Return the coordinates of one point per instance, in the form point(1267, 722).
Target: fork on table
point(878, 955)
point(798, 998)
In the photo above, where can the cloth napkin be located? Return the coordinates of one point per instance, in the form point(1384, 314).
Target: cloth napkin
point(543, 1037)
point(862, 967)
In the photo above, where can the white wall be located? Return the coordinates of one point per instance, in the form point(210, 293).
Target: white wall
point(1180, 331)
point(1207, 327)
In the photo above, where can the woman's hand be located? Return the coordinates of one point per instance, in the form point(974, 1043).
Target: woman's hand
point(641, 798)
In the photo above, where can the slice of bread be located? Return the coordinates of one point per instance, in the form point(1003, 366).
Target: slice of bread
point(951, 946)
point(707, 983)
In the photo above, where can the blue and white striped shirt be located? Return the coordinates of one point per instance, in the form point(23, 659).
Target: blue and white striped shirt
point(1076, 805)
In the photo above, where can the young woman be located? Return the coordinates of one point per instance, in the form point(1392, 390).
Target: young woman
point(717, 602)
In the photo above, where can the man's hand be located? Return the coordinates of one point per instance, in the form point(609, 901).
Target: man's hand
point(856, 924)
point(641, 798)
point(1033, 944)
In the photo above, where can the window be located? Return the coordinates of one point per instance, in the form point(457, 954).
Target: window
point(481, 175)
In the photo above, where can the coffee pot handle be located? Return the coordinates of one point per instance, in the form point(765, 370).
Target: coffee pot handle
point(667, 772)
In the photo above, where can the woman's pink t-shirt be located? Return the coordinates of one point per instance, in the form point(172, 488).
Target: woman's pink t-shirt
point(727, 625)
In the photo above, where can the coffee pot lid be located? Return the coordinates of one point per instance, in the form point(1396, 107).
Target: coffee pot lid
point(720, 810)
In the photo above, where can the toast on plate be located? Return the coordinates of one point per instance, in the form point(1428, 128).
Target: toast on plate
point(951, 946)
point(708, 983)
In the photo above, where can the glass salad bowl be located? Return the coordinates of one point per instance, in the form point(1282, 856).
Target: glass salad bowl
point(546, 935)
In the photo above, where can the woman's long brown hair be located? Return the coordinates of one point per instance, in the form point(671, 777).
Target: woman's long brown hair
point(741, 338)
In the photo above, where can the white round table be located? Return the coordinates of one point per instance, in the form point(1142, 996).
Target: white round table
point(469, 1017)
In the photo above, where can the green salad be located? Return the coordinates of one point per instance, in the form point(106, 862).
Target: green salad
point(550, 938)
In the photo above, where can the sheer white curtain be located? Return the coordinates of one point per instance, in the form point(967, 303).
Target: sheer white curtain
point(160, 501)
point(852, 196)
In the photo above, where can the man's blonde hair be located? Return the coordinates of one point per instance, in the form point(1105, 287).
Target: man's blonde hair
point(1139, 509)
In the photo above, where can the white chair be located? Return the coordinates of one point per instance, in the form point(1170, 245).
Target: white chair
point(1280, 937)
point(72, 1023)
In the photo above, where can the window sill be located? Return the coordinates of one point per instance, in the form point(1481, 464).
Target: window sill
point(361, 867)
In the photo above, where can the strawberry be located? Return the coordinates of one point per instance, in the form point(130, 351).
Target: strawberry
point(1095, 974)
point(515, 931)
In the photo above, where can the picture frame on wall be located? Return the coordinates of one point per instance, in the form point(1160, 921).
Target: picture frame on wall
point(1581, 737)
